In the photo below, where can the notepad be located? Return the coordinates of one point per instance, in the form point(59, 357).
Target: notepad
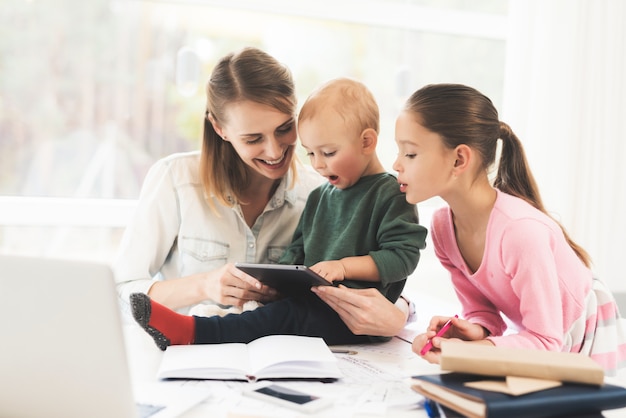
point(500, 361)
point(270, 357)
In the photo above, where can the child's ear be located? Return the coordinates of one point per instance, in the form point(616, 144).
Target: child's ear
point(369, 139)
point(463, 155)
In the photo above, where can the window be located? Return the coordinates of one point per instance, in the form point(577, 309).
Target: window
point(91, 93)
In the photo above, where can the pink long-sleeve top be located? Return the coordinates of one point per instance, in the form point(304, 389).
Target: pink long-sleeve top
point(528, 273)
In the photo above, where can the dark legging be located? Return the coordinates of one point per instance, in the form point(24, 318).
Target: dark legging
point(304, 315)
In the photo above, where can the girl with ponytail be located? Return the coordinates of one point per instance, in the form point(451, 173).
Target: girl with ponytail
point(506, 255)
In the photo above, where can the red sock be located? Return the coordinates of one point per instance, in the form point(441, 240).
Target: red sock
point(164, 325)
point(179, 329)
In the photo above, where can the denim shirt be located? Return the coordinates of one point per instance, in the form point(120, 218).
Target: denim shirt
point(176, 233)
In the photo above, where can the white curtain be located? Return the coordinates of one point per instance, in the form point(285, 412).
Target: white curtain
point(565, 97)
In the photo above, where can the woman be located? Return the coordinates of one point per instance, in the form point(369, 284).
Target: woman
point(239, 199)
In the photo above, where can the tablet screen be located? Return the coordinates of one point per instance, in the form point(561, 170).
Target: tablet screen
point(287, 279)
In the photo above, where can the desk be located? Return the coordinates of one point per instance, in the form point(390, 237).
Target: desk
point(376, 383)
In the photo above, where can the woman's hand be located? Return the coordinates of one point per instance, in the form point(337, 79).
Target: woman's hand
point(460, 330)
point(226, 285)
point(364, 311)
point(230, 286)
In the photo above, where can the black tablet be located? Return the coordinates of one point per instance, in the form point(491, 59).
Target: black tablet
point(287, 279)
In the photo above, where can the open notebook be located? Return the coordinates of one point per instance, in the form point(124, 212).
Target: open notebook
point(63, 352)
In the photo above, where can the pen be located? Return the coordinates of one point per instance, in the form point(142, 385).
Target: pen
point(431, 408)
point(342, 351)
point(429, 343)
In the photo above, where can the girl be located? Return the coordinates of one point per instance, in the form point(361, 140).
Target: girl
point(507, 257)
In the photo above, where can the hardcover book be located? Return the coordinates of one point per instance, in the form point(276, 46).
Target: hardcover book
point(568, 399)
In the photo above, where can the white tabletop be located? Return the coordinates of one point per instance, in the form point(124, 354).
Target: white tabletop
point(376, 383)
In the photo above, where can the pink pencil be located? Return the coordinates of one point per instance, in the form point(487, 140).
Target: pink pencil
point(429, 343)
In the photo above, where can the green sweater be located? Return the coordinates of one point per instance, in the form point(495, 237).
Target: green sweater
point(370, 218)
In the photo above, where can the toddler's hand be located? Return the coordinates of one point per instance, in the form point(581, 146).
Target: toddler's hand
point(332, 270)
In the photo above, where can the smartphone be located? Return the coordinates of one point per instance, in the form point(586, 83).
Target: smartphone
point(289, 398)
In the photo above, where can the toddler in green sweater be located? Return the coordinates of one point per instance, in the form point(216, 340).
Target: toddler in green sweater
point(356, 229)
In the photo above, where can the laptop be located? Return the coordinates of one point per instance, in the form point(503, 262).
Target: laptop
point(62, 346)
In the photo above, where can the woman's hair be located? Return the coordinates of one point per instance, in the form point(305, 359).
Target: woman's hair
point(249, 74)
point(463, 115)
point(348, 98)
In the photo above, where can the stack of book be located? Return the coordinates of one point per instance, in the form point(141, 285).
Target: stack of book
point(491, 382)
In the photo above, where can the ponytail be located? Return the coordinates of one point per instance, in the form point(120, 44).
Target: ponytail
point(514, 177)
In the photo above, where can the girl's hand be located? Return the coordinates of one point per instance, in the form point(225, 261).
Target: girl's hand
point(431, 337)
point(460, 330)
